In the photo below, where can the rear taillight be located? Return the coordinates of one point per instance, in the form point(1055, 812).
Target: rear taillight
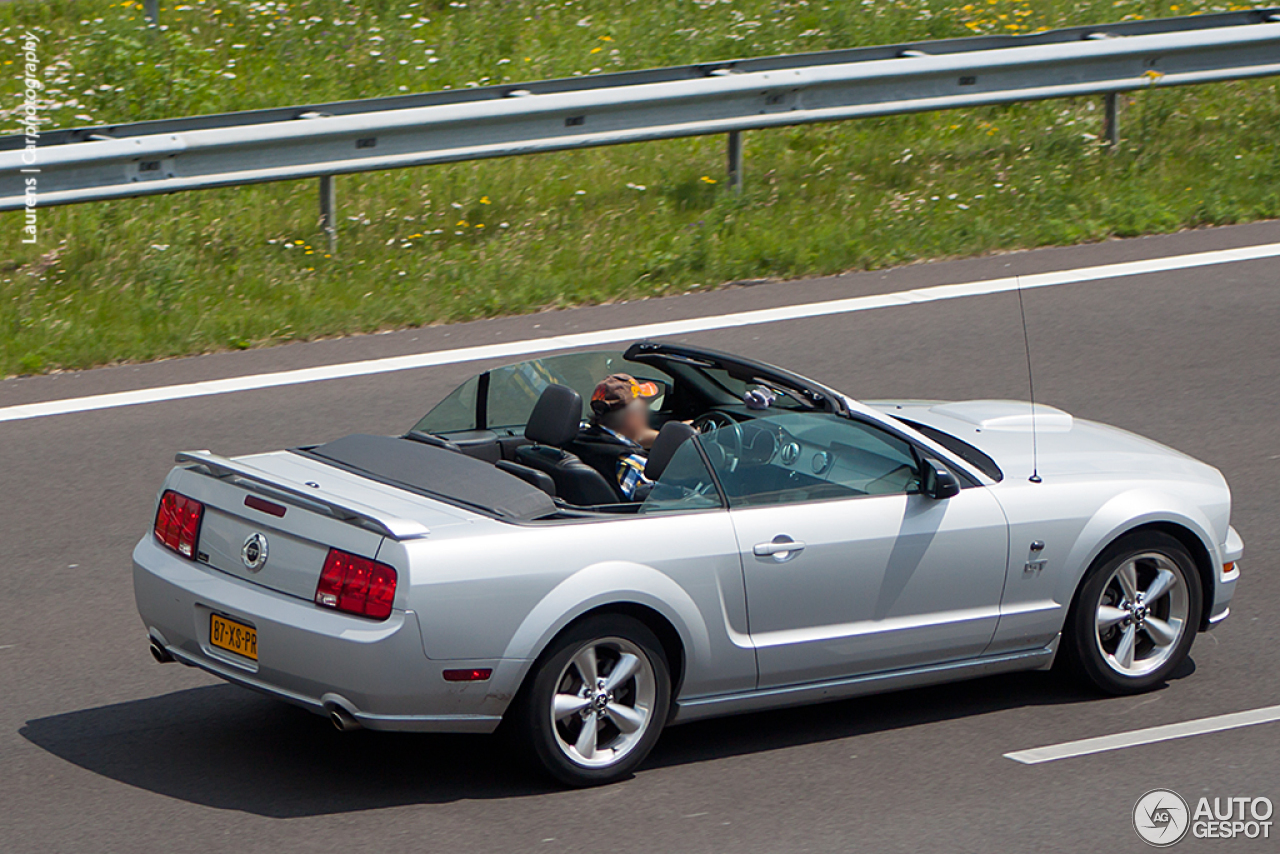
point(178, 523)
point(356, 585)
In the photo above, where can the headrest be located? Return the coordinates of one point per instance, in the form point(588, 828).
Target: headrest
point(555, 418)
point(672, 435)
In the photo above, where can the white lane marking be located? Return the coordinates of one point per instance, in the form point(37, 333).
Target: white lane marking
point(630, 333)
point(1151, 735)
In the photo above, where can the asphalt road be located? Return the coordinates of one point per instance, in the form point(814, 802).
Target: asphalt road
point(101, 749)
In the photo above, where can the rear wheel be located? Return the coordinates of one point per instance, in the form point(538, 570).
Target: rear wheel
point(596, 702)
point(1136, 614)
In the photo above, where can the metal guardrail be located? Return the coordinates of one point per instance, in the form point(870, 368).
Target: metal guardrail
point(322, 140)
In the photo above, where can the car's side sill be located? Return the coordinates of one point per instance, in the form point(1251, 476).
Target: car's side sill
point(874, 683)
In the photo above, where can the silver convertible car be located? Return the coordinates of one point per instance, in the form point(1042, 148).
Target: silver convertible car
point(790, 546)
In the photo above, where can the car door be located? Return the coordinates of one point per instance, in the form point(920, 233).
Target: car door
point(848, 568)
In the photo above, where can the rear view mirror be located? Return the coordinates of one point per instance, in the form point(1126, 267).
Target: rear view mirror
point(938, 482)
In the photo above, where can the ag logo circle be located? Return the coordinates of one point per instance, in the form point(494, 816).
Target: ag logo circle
point(254, 552)
point(1161, 817)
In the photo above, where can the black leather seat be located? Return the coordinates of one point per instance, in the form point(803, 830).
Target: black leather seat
point(670, 438)
point(552, 425)
point(601, 451)
point(533, 477)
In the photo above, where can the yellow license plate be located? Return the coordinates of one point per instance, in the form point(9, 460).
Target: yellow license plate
point(233, 637)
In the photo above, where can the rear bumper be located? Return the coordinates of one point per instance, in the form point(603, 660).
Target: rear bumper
point(314, 658)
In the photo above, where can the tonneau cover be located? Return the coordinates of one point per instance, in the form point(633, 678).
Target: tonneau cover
point(436, 472)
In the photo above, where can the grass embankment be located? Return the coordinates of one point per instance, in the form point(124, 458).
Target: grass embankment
point(142, 279)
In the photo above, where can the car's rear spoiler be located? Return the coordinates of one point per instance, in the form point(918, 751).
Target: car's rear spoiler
point(347, 511)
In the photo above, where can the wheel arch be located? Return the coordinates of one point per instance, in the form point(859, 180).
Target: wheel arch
point(1183, 528)
point(1199, 552)
point(634, 590)
point(672, 644)
point(668, 636)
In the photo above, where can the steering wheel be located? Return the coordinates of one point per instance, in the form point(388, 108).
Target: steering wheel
point(725, 431)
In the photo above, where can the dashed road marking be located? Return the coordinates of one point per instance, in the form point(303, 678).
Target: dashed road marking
point(1150, 735)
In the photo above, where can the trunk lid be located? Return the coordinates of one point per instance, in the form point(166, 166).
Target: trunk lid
point(323, 507)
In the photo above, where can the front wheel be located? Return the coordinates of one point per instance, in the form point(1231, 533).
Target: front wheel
point(1136, 614)
point(596, 702)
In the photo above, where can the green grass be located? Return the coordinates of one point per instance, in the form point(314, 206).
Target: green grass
point(148, 278)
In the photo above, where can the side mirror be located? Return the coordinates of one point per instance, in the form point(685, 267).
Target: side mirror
point(937, 482)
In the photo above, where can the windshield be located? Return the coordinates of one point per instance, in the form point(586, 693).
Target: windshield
point(781, 457)
point(501, 399)
point(738, 389)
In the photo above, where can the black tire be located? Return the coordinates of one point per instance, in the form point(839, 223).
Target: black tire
point(1096, 653)
point(547, 742)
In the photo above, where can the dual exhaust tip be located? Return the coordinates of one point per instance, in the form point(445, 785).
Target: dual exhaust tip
point(342, 720)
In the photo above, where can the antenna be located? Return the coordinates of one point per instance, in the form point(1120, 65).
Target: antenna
point(1031, 386)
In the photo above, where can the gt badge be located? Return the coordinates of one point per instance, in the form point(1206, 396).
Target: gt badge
point(254, 552)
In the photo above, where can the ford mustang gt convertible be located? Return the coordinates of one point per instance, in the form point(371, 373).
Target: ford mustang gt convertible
point(785, 545)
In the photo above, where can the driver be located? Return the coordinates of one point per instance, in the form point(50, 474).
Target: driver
point(620, 421)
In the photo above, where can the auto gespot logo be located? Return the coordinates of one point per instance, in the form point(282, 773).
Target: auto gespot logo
point(1163, 818)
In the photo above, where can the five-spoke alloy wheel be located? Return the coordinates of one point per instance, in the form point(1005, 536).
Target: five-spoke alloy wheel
point(597, 701)
point(1136, 614)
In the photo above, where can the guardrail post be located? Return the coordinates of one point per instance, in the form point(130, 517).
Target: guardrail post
point(735, 161)
point(328, 213)
point(1111, 119)
point(151, 11)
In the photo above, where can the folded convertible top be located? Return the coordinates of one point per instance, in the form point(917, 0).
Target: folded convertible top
point(437, 473)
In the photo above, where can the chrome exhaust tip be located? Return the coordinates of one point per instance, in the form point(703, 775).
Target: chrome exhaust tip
point(159, 653)
point(343, 720)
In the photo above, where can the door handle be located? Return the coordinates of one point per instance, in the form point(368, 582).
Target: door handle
point(781, 549)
